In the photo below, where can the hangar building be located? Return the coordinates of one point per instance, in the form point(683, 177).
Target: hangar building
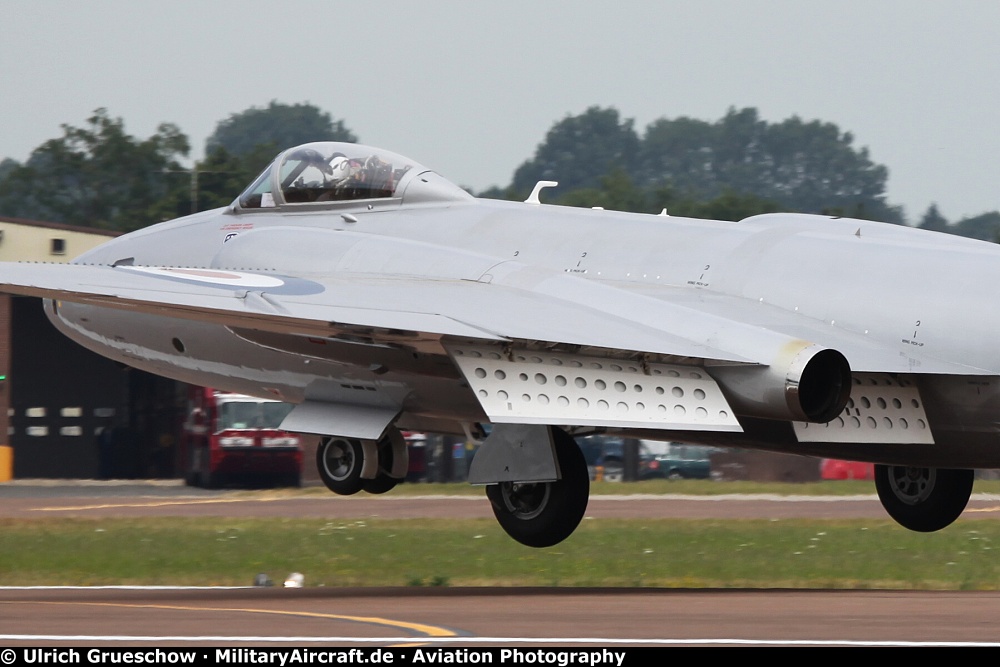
point(68, 412)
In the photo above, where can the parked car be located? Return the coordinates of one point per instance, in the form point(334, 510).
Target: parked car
point(674, 460)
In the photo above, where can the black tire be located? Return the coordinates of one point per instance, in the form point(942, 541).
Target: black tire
point(339, 462)
point(546, 513)
point(923, 499)
point(382, 483)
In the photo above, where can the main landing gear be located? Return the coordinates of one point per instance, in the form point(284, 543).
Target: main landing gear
point(542, 514)
point(923, 499)
point(535, 513)
point(348, 466)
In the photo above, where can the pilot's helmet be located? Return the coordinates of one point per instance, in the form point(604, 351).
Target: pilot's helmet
point(340, 168)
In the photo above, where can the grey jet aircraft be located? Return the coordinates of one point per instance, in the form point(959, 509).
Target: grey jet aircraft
point(377, 296)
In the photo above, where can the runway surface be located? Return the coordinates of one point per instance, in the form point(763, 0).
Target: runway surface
point(25, 501)
point(450, 617)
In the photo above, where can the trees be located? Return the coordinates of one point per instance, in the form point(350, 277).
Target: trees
point(96, 175)
point(985, 227)
point(618, 192)
point(680, 153)
point(810, 167)
point(802, 166)
point(737, 166)
point(277, 126)
point(243, 144)
point(933, 220)
point(579, 150)
point(615, 191)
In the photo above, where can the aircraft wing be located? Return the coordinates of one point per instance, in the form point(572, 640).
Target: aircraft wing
point(516, 303)
point(488, 327)
point(864, 353)
point(333, 303)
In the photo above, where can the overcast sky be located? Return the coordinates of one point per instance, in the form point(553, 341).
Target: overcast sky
point(470, 88)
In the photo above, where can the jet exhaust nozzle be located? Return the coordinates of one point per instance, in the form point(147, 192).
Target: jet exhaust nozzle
point(811, 384)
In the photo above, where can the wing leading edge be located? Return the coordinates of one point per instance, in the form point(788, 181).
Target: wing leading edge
point(513, 303)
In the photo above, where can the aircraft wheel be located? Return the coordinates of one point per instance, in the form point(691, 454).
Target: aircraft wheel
point(381, 484)
point(339, 462)
point(384, 482)
point(923, 499)
point(545, 513)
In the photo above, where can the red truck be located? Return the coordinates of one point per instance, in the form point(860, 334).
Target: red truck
point(234, 439)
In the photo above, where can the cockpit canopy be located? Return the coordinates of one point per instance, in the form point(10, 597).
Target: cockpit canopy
point(329, 172)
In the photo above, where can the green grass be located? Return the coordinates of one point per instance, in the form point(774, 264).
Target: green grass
point(633, 553)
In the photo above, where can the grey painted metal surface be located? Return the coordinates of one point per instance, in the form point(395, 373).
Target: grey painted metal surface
point(516, 453)
point(350, 421)
point(530, 387)
point(302, 291)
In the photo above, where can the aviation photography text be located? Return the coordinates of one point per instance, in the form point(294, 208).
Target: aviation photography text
point(310, 656)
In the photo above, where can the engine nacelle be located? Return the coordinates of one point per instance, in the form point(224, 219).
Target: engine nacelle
point(804, 383)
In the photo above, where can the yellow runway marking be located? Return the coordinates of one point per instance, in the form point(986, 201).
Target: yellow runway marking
point(164, 503)
point(425, 630)
point(984, 509)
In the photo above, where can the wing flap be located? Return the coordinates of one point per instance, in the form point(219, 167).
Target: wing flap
point(578, 390)
point(883, 408)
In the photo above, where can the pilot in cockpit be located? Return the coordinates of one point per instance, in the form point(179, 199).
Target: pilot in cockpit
point(339, 169)
point(339, 178)
point(367, 178)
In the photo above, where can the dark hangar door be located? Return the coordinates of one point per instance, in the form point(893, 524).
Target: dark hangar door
point(61, 397)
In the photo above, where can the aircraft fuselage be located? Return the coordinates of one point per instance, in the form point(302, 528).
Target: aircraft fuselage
point(921, 294)
point(377, 296)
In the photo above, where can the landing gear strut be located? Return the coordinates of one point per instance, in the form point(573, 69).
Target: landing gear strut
point(923, 499)
point(542, 514)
